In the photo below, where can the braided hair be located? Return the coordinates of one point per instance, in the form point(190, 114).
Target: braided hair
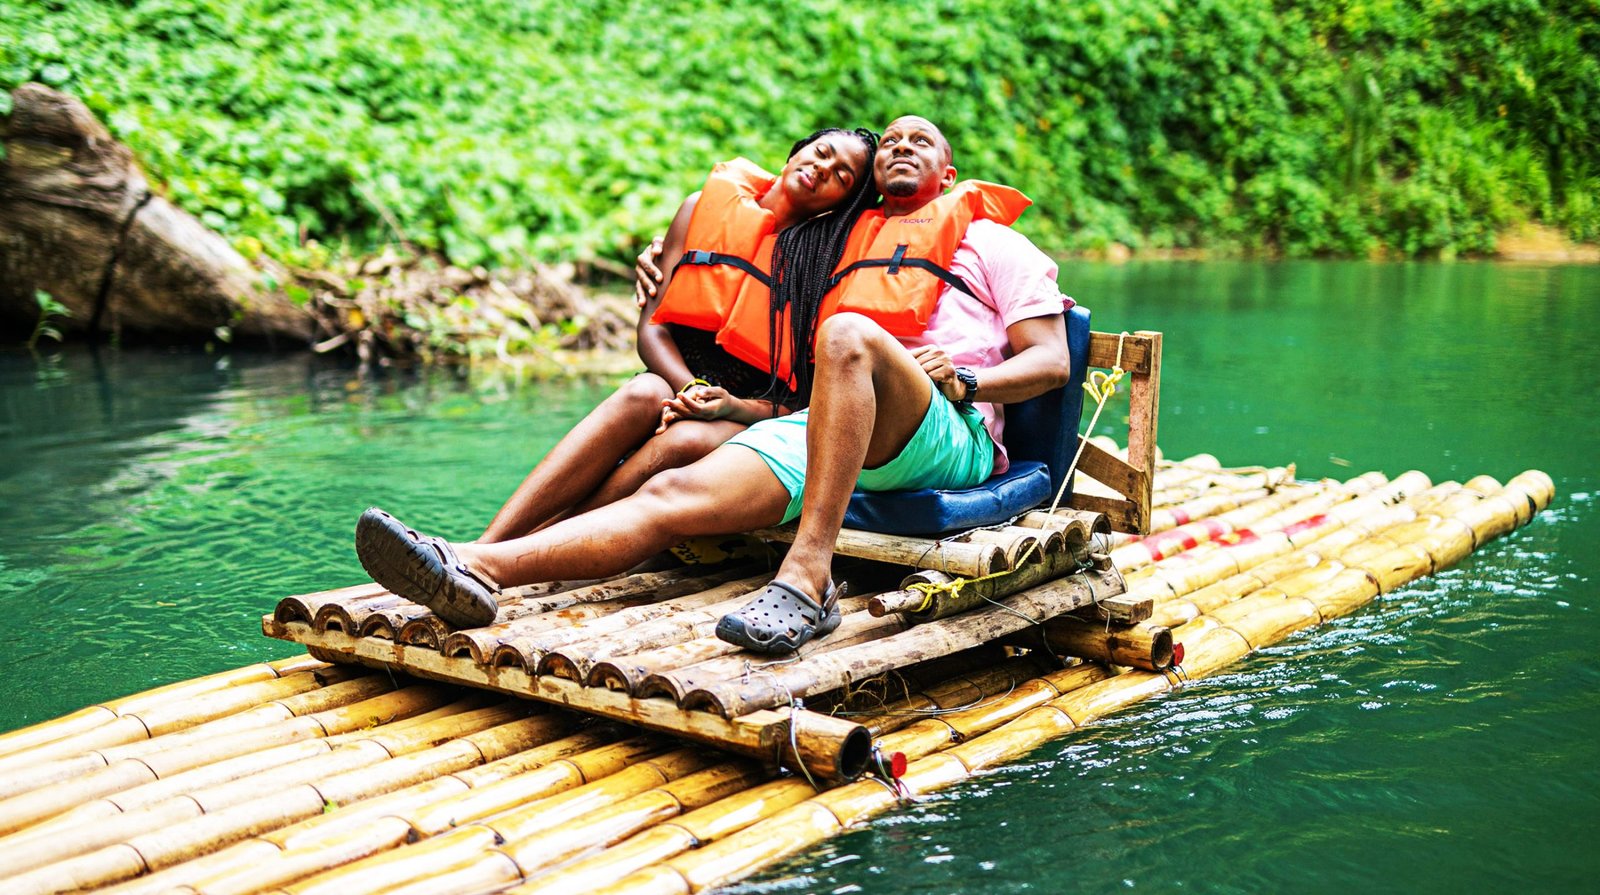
point(803, 261)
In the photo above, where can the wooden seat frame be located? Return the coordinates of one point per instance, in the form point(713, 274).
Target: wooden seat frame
point(1131, 478)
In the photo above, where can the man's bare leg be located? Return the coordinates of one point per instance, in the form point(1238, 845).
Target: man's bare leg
point(583, 458)
point(730, 491)
point(868, 398)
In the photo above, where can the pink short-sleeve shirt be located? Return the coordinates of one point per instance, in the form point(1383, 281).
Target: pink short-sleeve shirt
point(1011, 280)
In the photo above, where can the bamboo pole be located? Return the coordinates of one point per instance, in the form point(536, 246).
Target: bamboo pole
point(1264, 538)
point(1202, 483)
point(1143, 645)
point(1325, 550)
point(21, 853)
point(628, 674)
point(1275, 550)
point(607, 826)
point(883, 716)
point(573, 659)
point(385, 624)
point(347, 615)
point(952, 557)
point(1154, 548)
point(252, 807)
point(464, 840)
point(1222, 495)
point(672, 589)
point(737, 696)
point(358, 688)
point(316, 840)
point(1079, 530)
point(78, 722)
point(855, 627)
point(791, 829)
point(703, 825)
point(757, 734)
point(384, 620)
point(1018, 543)
point(304, 607)
point(139, 763)
point(739, 812)
point(925, 607)
point(158, 720)
point(531, 636)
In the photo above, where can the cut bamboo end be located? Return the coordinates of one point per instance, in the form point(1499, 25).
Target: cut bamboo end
point(833, 748)
point(304, 607)
point(1144, 645)
point(1537, 486)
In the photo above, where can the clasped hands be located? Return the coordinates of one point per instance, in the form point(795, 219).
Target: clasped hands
point(697, 402)
point(712, 402)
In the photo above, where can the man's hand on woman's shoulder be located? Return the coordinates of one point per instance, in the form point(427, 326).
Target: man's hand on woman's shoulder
point(647, 273)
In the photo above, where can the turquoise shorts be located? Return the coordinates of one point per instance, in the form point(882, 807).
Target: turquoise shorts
point(951, 449)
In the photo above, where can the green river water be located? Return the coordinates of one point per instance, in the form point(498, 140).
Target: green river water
point(155, 504)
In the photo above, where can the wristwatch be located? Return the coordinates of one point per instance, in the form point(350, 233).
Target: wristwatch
point(969, 378)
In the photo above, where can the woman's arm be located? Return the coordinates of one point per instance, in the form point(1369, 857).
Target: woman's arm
point(711, 402)
point(656, 348)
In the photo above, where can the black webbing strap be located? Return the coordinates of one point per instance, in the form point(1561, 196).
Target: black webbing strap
point(695, 256)
point(898, 261)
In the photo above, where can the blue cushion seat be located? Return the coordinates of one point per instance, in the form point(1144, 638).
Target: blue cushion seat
point(1041, 437)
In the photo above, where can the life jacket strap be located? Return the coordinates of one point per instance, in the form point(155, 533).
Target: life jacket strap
point(696, 256)
point(898, 261)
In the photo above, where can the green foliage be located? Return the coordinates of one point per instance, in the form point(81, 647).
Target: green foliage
point(49, 309)
point(497, 131)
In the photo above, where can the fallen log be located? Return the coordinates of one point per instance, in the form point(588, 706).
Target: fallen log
point(79, 220)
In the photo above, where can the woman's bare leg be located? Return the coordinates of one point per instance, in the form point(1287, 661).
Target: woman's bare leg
point(684, 442)
point(583, 459)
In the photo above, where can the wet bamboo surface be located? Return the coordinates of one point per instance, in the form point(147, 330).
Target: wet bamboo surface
point(303, 777)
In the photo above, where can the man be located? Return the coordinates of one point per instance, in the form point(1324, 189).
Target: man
point(885, 412)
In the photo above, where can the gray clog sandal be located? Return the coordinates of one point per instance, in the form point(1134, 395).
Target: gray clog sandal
point(781, 618)
point(423, 570)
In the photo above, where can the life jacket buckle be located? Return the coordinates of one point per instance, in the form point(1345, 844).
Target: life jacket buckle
point(895, 259)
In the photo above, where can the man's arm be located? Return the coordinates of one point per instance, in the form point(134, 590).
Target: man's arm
point(1038, 363)
point(656, 348)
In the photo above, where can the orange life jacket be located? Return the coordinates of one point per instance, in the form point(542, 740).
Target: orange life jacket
point(728, 245)
point(893, 270)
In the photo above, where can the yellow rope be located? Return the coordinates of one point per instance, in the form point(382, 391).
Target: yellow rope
point(1100, 386)
point(693, 383)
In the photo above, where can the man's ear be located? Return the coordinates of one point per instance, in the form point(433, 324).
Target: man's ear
point(949, 178)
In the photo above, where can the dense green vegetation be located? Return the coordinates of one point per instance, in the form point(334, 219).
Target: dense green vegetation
point(500, 130)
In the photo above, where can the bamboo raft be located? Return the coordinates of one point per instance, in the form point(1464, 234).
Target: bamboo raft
point(303, 776)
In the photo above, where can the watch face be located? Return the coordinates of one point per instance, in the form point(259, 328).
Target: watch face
point(969, 379)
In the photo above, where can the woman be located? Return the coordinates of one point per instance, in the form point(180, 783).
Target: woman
point(695, 396)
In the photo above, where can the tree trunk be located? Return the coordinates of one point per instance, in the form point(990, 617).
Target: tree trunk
point(78, 220)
